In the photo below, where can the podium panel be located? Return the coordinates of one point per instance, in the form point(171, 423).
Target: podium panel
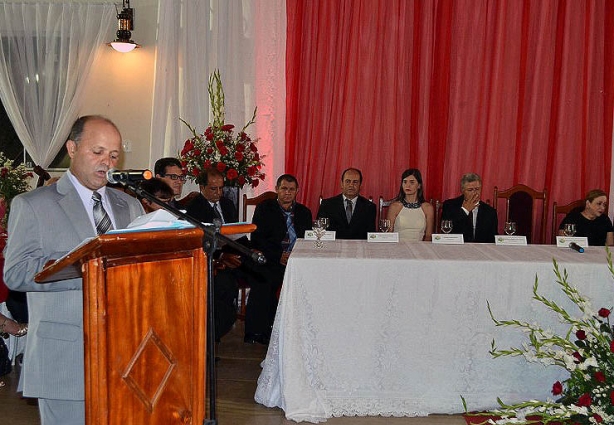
point(144, 324)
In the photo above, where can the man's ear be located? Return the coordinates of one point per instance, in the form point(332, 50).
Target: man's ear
point(71, 147)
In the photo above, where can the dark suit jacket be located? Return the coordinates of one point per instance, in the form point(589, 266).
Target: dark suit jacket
point(271, 227)
point(363, 218)
point(202, 210)
point(486, 225)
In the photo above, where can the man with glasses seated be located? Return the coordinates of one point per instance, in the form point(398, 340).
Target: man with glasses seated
point(169, 169)
point(476, 220)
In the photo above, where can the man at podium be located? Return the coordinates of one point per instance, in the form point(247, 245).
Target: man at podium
point(44, 225)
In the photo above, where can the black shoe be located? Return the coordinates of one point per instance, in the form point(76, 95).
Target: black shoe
point(256, 338)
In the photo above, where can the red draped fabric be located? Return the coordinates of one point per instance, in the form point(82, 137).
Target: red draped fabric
point(517, 91)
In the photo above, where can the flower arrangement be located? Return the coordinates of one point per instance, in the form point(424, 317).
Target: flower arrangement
point(586, 352)
point(13, 181)
point(235, 155)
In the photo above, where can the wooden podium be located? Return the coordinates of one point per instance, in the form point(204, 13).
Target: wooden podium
point(144, 324)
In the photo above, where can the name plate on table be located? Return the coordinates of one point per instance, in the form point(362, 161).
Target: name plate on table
point(310, 235)
point(448, 239)
point(564, 241)
point(510, 240)
point(382, 237)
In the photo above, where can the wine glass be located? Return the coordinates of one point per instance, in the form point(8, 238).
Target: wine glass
point(569, 229)
point(384, 225)
point(325, 222)
point(319, 230)
point(446, 226)
point(510, 227)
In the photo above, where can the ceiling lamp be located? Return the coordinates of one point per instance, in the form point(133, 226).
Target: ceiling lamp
point(125, 24)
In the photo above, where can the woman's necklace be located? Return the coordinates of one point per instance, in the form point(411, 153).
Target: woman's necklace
point(410, 205)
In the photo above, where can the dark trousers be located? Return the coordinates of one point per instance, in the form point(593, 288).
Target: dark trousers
point(17, 304)
point(262, 300)
point(225, 301)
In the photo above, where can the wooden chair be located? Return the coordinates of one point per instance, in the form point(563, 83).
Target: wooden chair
point(187, 200)
point(563, 210)
point(383, 206)
point(519, 205)
point(242, 283)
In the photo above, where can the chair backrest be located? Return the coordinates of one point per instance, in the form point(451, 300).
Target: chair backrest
point(255, 201)
point(563, 210)
point(519, 207)
point(383, 207)
point(186, 200)
point(436, 203)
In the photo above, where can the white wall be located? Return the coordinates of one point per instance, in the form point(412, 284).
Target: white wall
point(120, 86)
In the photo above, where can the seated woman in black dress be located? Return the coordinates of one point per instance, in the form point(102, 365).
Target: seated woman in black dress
point(591, 221)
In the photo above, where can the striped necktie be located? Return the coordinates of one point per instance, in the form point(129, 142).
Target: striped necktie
point(101, 218)
point(348, 210)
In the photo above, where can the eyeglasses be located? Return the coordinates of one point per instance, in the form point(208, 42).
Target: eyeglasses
point(175, 177)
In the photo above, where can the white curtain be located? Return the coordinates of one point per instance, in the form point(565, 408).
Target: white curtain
point(245, 40)
point(46, 52)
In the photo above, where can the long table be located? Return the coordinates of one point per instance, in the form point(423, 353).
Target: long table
point(403, 329)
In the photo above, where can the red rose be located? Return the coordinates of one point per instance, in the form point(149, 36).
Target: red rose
point(196, 152)
point(599, 376)
point(209, 151)
point(208, 130)
point(242, 135)
point(597, 418)
point(207, 164)
point(581, 335)
point(183, 165)
point(255, 183)
point(223, 151)
point(195, 171)
point(584, 400)
point(241, 180)
point(220, 166)
point(253, 147)
point(227, 127)
point(240, 147)
point(188, 146)
point(232, 174)
point(238, 156)
point(604, 312)
point(578, 357)
point(557, 388)
point(209, 136)
point(261, 176)
point(612, 346)
point(612, 397)
point(251, 171)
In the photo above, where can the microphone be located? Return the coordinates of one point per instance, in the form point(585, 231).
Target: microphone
point(576, 247)
point(124, 176)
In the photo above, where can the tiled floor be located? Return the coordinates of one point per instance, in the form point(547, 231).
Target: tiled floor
point(238, 371)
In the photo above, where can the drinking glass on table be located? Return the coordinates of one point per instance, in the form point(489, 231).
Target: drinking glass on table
point(510, 227)
point(569, 229)
point(319, 230)
point(325, 222)
point(384, 225)
point(446, 226)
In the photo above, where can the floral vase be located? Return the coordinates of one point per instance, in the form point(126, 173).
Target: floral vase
point(232, 193)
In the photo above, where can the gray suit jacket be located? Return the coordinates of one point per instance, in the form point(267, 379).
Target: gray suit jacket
point(43, 225)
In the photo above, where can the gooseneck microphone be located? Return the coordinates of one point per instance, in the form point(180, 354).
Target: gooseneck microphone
point(123, 176)
point(576, 247)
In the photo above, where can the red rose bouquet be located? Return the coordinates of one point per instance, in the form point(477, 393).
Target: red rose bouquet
point(586, 352)
point(234, 154)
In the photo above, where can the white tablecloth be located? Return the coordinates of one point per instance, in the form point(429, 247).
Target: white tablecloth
point(403, 329)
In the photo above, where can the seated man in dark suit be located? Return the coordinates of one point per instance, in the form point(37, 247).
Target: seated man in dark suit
point(207, 206)
point(279, 223)
point(476, 220)
point(350, 214)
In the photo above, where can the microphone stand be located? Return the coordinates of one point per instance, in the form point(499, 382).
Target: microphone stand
point(211, 237)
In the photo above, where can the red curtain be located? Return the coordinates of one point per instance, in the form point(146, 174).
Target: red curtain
point(517, 91)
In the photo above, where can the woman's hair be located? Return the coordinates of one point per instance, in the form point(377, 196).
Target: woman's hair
point(594, 194)
point(416, 173)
